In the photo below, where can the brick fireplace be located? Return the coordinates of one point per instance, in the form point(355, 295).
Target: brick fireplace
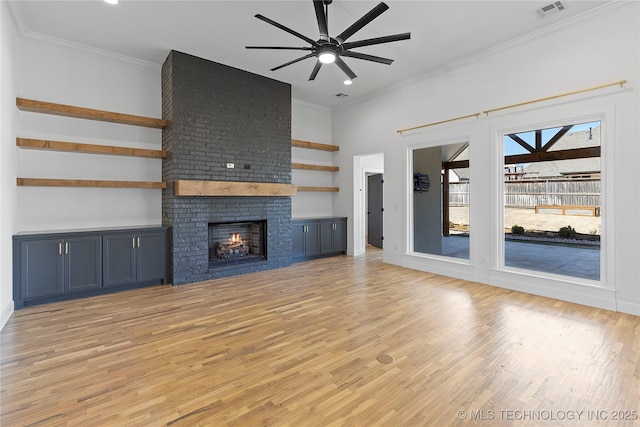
point(224, 124)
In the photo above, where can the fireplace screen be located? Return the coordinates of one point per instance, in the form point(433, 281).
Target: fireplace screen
point(235, 242)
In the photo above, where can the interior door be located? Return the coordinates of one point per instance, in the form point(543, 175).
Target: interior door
point(374, 210)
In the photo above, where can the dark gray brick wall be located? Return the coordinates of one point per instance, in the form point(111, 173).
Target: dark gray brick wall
point(217, 115)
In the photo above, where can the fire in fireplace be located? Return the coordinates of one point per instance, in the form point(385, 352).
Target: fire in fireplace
point(234, 242)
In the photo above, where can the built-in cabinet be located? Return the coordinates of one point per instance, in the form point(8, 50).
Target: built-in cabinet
point(53, 266)
point(318, 237)
point(333, 236)
point(56, 266)
point(305, 237)
point(133, 257)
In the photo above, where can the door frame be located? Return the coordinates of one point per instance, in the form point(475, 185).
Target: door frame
point(363, 165)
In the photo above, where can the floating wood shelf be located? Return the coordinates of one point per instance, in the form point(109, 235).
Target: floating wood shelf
point(42, 144)
point(320, 189)
point(44, 182)
point(314, 145)
point(88, 113)
point(315, 167)
point(232, 188)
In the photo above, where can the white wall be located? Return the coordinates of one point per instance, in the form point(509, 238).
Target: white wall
point(8, 217)
point(311, 123)
point(65, 74)
point(567, 57)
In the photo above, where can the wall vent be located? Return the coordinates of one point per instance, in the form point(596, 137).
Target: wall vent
point(551, 9)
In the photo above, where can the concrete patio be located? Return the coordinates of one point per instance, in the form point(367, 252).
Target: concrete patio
point(568, 260)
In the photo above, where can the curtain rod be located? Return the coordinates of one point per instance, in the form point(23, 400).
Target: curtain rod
point(486, 112)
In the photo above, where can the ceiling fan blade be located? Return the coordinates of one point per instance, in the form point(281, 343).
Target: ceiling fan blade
point(366, 57)
point(293, 62)
point(322, 19)
point(356, 26)
point(377, 40)
point(279, 47)
point(344, 67)
point(288, 30)
point(315, 70)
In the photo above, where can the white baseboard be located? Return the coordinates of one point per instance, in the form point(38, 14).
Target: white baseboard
point(629, 307)
point(357, 252)
point(6, 314)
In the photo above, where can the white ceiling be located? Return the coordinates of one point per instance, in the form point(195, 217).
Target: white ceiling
point(441, 33)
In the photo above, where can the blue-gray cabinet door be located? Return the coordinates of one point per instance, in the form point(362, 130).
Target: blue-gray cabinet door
point(340, 235)
point(305, 238)
point(119, 259)
point(312, 239)
point(333, 236)
point(82, 263)
point(41, 268)
point(150, 256)
point(326, 237)
point(297, 239)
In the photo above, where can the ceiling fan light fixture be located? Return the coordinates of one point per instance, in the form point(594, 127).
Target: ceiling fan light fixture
point(327, 58)
point(326, 54)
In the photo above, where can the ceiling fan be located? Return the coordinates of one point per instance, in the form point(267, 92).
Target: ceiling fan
point(330, 49)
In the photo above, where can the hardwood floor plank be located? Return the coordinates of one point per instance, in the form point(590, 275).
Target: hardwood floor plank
point(298, 346)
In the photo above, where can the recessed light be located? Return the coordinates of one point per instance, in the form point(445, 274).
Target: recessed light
point(111, 1)
point(347, 82)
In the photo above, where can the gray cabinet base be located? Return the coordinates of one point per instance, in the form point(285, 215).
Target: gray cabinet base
point(58, 266)
point(318, 238)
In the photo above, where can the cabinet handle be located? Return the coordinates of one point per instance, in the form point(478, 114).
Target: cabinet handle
point(59, 248)
point(138, 239)
point(133, 242)
point(66, 248)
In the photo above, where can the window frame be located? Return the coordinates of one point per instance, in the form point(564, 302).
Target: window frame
point(434, 143)
point(556, 116)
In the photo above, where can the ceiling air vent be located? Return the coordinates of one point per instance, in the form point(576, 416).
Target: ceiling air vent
point(551, 9)
point(341, 95)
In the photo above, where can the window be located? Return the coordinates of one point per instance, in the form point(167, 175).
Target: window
point(441, 200)
point(552, 200)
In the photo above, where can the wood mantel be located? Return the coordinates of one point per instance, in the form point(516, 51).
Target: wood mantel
point(232, 188)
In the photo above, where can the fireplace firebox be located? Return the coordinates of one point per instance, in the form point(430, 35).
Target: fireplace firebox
point(237, 242)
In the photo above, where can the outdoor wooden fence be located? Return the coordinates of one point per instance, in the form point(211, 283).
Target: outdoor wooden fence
point(566, 192)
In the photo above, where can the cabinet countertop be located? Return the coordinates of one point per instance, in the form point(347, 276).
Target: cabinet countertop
point(90, 230)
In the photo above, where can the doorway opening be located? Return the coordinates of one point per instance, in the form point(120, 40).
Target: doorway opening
point(375, 210)
point(363, 166)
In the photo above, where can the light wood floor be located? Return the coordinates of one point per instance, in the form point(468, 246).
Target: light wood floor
point(299, 346)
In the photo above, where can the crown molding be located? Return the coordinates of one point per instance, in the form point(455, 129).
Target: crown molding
point(23, 31)
point(16, 16)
